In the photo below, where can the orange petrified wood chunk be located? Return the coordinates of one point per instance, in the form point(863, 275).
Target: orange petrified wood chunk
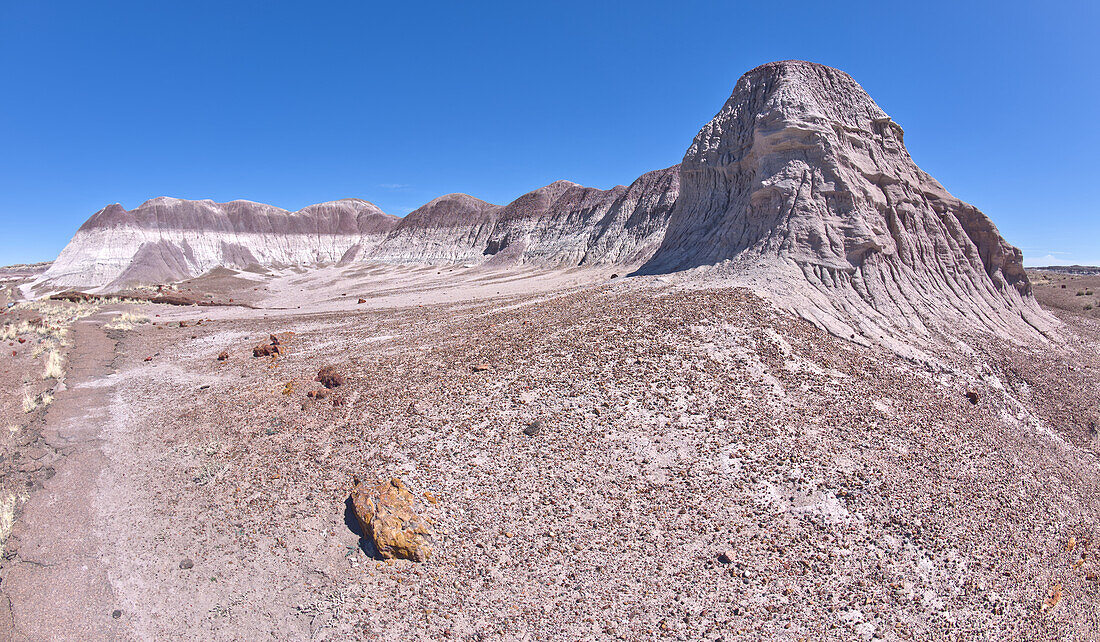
point(387, 514)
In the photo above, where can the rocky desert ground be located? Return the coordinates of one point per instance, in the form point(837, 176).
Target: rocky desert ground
point(788, 389)
point(641, 458)
point(1072, 293)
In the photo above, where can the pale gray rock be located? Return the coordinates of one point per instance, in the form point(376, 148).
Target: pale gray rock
point(561, 224)
point(168, 239)
point(450, 229)
point(802, 186)
point(565, 224)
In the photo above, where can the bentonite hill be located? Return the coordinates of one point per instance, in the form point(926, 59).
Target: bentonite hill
point(790, 389)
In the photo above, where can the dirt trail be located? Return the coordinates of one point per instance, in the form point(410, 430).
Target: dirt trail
point(56, 583)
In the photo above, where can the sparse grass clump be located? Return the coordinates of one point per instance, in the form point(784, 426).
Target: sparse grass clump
point(7, 518)
point(126, 321)
point(52, 326)
point(30, 402)
point(54, 369)
point(1088, 307)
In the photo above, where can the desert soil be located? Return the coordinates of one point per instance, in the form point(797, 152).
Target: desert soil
point(705, 467)
point(1072, 293)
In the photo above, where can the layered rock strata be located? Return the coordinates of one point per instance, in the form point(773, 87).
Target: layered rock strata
point(802, 184)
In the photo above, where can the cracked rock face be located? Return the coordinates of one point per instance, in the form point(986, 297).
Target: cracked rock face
point(804, 183)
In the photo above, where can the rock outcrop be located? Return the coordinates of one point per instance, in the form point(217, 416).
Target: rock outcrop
point(562, 224)
point(802, 185)
point(386, 512)
point(450, 229)
point(168, 239)
point(569, 225)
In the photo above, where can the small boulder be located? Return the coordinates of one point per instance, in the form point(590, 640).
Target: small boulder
point(186, 563)
point(533, 428)
point(387, 514)
point(972, 397)
point(481, 367)
point(265, 350)
point(727, 556)
point(223, 356)
point(318, 394)
point(329, 378)
point(362, 301)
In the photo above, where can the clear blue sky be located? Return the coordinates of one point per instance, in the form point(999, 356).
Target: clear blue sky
point(296, 103)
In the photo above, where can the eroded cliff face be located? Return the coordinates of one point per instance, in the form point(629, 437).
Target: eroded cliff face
point(802, 181)
point(801, 186)
point(450, 229)
point(571, 225)
point(167, 239)
point(560, 225)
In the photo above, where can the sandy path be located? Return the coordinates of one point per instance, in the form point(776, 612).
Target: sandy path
point(57, 583)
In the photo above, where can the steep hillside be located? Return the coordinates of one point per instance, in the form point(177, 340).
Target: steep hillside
point(803, 185)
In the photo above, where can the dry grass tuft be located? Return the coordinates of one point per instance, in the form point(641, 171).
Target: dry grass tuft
point(54, 369)
point(30, 403)
point(7, 518)
point(126, 321)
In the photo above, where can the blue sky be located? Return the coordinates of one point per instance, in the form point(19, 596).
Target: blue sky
point(296, 103)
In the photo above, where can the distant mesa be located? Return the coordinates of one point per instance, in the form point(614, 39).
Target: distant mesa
point(1076, 270)
point(800, 187)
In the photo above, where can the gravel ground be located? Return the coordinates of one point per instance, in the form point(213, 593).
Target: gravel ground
point(1074, 293)
point(854, 493)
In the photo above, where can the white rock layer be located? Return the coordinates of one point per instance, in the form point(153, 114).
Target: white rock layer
point(801, 186)
point(168, 239)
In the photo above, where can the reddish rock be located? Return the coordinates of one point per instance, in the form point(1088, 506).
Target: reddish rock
point(362, 300)
point(265, 350)
point(481, 367)
point(329, 378)
point(223, 356)
point(318, 394)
